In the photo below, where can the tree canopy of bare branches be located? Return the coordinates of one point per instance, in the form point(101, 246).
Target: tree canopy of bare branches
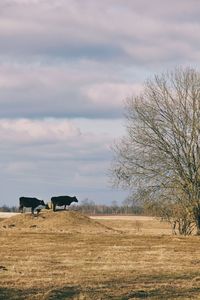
point(159, 157)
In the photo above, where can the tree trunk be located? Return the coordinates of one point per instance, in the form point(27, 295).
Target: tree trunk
point(197, 220)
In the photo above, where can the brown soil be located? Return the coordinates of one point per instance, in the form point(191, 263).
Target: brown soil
point(60, 221)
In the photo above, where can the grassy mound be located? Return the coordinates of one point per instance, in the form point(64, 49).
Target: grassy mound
point(60, 221)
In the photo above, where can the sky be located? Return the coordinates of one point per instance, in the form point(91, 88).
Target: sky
point(66, 69)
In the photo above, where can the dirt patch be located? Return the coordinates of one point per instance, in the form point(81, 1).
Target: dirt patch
point(60, 221)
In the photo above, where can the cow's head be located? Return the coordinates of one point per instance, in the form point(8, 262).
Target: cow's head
point(42, 203)
point(75, 199)
point(47, 206)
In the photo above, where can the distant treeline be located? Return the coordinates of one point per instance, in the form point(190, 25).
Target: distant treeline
point(5, 208)
point(91, 208)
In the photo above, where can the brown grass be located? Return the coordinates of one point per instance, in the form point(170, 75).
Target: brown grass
point(97, 263)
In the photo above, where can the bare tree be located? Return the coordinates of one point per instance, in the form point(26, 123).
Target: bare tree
point(175, 214)
point(159, 158)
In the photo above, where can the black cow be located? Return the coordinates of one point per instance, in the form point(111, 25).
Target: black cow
point(30, 202)
point(62, 200)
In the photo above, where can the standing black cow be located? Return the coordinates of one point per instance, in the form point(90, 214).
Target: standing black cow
point(62, 200)
point(30, 202)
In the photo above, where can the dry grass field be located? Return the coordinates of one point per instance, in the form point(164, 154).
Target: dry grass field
point(65, 255)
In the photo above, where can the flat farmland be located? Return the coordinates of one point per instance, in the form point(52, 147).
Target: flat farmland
point(66, 255)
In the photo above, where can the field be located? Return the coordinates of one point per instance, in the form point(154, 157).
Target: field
point(65, 255)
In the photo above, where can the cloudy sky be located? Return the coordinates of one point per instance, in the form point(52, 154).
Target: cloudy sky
point(66, 67)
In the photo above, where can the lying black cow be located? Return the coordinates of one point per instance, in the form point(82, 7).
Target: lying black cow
point(62, 200)
point(30, 202)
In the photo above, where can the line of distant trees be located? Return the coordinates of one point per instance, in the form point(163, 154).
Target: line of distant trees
point(6, 208)
point(126, 208)
point(89, 207)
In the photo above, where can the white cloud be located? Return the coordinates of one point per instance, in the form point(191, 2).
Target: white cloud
point(70, 58)
point(106, 29)
point(63, 90)
point(19, 167)
point(55, 141)
point(48, 157)
point(35, 131)
point(110, 95)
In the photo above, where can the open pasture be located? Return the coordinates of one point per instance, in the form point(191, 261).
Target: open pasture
point(96, 258)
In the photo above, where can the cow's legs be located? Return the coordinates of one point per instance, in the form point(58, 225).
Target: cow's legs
point(54, 207)
point(32, 210)
point(65, 207)
point(21, 208)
